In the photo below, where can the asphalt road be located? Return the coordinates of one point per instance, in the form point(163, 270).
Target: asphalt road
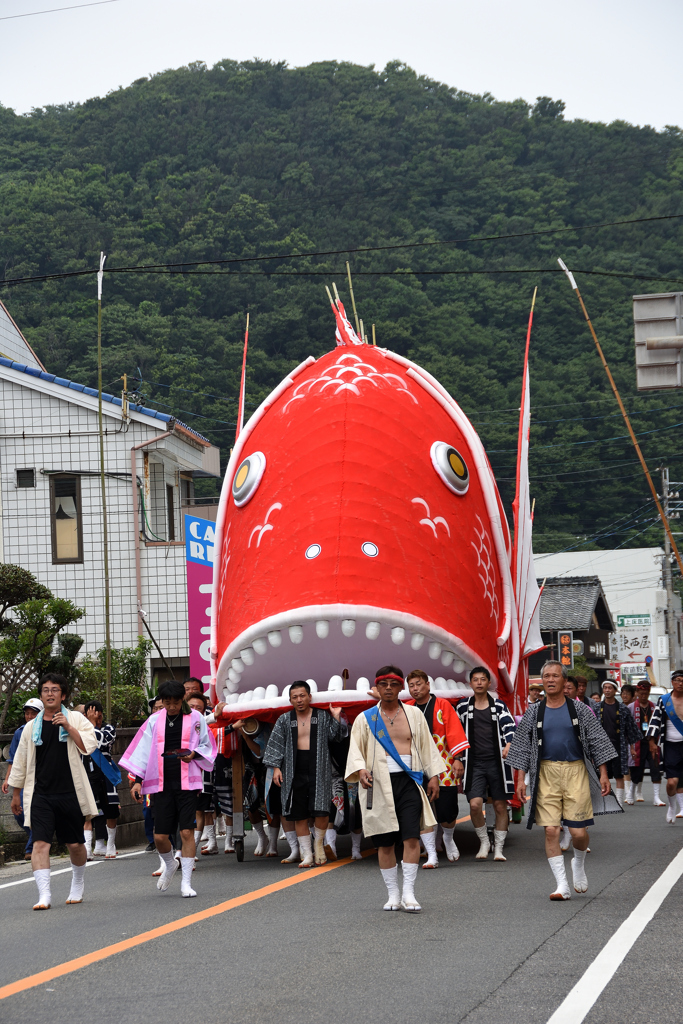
point(488, 948)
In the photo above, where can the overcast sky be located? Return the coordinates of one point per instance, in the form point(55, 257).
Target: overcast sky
point(607, 59)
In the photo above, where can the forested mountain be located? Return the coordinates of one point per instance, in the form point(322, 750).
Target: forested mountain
point(257, 159)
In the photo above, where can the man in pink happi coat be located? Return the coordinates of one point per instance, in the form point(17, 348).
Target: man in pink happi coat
point(167, 757)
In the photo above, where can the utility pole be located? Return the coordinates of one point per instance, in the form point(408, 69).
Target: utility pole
point(666, 574)
point(105, 540)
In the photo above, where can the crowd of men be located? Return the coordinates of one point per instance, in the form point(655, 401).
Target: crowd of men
point(394, 775)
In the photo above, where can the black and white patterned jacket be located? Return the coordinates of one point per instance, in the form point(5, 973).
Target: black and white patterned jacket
point(657, 728)
point(505, 727)
point(595, 743)
point(627, 731)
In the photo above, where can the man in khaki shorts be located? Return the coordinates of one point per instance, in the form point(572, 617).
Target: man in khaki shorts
point(560, 742)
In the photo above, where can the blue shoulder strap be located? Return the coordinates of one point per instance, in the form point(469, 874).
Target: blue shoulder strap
point(671, 712)
point(381, 735)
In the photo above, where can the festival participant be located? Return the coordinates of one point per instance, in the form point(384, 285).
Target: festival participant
point(167, 757)
point(57, 794)
point(204, 822)
point(298, 752)
point(390, 754)
point(192, 685)
point(104, 777)
point(666, 728)
point(617, 721)
point(31, 709)
point(642, 709)
point(581, 687)
point(489, 728)
point(628, 694)
point(560, 743)
point(448, 734)
point(535, 691)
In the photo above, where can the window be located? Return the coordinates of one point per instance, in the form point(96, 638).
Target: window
point(170, 512)
point(65, 514)
point(26, 478)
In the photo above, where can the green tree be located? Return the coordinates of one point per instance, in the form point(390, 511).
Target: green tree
point(128, 678)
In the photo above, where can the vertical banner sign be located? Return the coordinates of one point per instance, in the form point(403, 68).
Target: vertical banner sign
point(199, 549)
point(565, 653)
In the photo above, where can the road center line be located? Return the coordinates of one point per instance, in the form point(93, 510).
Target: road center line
point(167, 929)
point(593, 982)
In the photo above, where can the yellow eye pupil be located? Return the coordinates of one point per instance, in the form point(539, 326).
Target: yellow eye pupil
point(456, 464)
point(242, 476)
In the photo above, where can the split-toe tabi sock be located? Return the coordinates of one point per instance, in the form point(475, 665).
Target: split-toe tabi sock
point(330, 844)
point(42, 877)
point(305, 847)
point(498, 844)
point(429, 840)
point(273, 835)
point(408, 901)
point(170, 868)
point(484, 842)
point(319, 848)
point(262, 842)
point(293, 841)
point(77, 883)
point(356, 838)
point(579, 871)
point(452, 851)
point(110, 853)
point(390, 876)
point(558, 869)
point(187, 867)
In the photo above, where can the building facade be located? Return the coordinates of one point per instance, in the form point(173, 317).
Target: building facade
point(51, 502)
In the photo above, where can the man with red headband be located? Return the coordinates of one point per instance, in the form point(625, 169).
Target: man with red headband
point(390, 753)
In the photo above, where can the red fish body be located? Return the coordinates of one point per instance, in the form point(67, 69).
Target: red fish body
point(360, 525)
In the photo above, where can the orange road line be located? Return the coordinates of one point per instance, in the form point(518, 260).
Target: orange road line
point(167, 929)
point(466, 818)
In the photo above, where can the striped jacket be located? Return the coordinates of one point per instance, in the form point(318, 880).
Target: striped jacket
point(597, 750)
point(505, 729)
point(657, 727)
point(627, 731)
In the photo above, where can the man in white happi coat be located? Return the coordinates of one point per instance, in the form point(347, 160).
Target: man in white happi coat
point(391, 754)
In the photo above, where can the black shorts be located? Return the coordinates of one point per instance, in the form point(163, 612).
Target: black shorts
point(445, 807)
point(174, 809)
point(107, 804)
point(673, 761)
point(614, 770)
point(301, 791)
point(204, 802)
point(56, 812)
point(487, 780)
point(274, 800)
point(408, 806)
point(646, 761)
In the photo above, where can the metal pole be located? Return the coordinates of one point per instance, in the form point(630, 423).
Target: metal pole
point(136, 524)
point(353, 300)
point(105, 541)
point(666, 573)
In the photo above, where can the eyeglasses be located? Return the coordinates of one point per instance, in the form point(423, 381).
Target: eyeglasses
point(50, 691)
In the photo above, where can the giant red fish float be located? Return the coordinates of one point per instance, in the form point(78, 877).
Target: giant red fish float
point(360, 524)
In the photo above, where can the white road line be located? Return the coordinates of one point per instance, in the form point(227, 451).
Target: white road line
point(590, 986)
point(63, 871)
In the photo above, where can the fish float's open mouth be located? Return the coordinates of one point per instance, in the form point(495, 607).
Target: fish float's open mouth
point(320, 641)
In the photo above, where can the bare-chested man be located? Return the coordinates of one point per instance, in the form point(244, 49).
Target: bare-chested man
point(298, 752)
point(666, 728)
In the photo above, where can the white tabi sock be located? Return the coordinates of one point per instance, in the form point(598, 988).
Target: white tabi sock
point(42, 877)
point(331, 839)
point(565, 838)
point(498, 844)
point(390, 876)
point(639, 792)
point(306, 851)
point(319, 846)
point(579, 871)
point(558, 869)
point(679, 798)
point(220, 825)
point(452, 851)
point(671, 809)
point(429, 840)
point(273, 835)
point(484, 842)
point(229, 844)
point(88, 843)
point(293, 841)
point(630, 792)
point(656, 798)
point(111, 842)
point(211, 846)
point(262, 844)
point(408, 900)
point(100, 848)
point(197, 836)
point(77, 883)
point(619, 793)
point(356, 838)
point(170, 867)
point(187, 867)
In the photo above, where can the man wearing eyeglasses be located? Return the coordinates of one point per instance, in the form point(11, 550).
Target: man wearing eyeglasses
point(57, 795)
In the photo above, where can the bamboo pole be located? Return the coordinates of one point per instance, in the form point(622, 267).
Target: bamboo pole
point(646, 471)
point(105, 538)
point(374, 338)
point(353, 300)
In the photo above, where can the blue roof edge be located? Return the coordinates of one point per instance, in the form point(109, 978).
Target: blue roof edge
point(33, 371)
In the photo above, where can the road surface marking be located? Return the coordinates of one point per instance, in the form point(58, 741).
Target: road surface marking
point(63, 871)
point(590, 986)
point(167, 929)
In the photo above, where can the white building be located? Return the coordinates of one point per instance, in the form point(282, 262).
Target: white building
point(632, 581)
point(51, 508)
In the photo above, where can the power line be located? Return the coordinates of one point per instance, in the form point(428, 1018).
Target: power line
point(54, 10)
point(372, 248)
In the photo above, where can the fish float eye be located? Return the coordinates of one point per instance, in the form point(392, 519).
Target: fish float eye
point(369, 549)
point(451, 467)
point(313, 550)
point(248, 477)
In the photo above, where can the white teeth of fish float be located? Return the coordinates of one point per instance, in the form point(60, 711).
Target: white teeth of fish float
point(335, 691)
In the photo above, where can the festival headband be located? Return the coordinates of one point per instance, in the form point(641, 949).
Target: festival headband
point(389, 675)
